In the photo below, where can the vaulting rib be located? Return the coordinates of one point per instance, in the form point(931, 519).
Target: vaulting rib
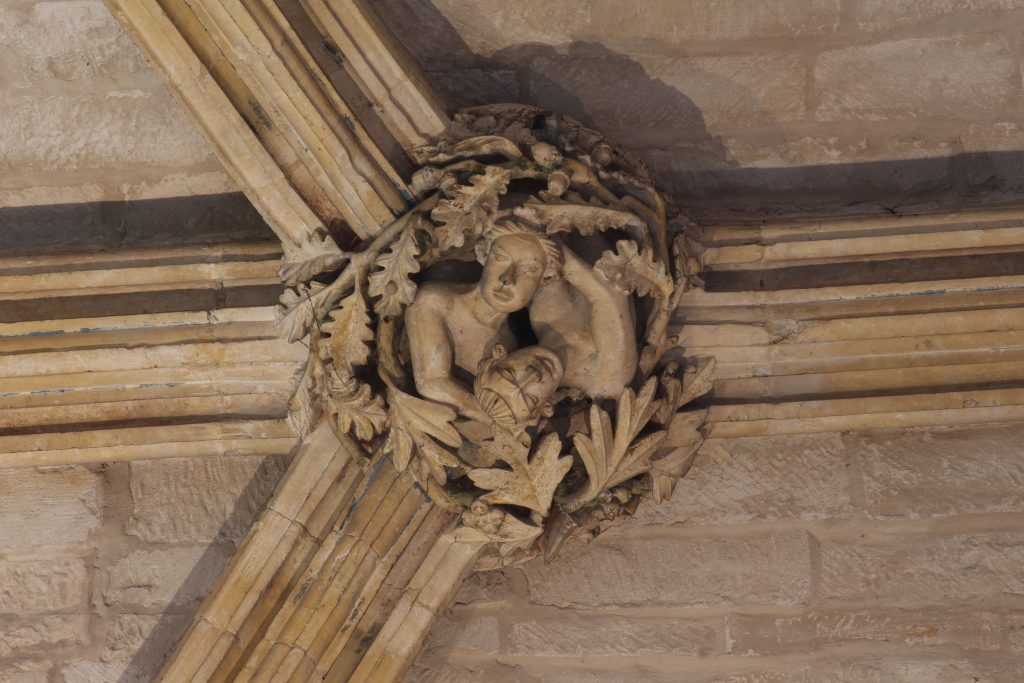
point(338, 545)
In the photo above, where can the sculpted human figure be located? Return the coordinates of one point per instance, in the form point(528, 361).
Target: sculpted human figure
point(451, 326)
point(514, 389)
point(586, 320)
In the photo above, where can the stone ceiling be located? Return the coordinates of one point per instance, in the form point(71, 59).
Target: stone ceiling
point(747, 109)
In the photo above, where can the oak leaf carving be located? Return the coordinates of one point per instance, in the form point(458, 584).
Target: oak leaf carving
point(614, 456)
point(297, 311)
point(635, 270)
point(480, 146)
point(466, 214)
point(349, 334)
point(530, 483)
point(297, 272)
point(586, 220)
point(355, 407)
point(675, 456)
point(417, 427)
point(390, 285)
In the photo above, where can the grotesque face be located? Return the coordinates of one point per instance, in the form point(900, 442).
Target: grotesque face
point(514, 389)
point(513, 271)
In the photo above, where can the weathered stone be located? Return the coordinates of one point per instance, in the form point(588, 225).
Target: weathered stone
point(116, 129)
point(730, 91)
point(451, 633)
point(91, 671)
point(765, 635)
point(942, 473)
point(31, 671)
point(1015, 632)
point(43, 585)
point(920, 568)
point(38, 636)
point(885, 15)
point(136, 648)
point(773, 569)
point(49, 507)
point(493, 25)
point(192, 500)
point(175, 578)
point(586, 634)
point(924, 78)
point(66, 41)
point(747, 480)
point(879, 670)
point(130, 632)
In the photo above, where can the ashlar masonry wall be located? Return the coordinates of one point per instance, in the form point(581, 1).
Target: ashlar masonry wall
point(870, 558)
point(749, 108)
point(102, 568)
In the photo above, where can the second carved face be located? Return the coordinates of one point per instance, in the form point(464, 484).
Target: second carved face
point(513, 271)
point(515, 388)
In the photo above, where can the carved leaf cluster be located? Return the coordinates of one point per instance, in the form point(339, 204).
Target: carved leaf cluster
point(676, 453)
point(635, 270)
point(611, 456)
point(531, 483)
point(465, 215)
point(355, 407)
point(348, 332)
point(479, 146)
point(390, 285)
point(297, 311)
point(420, 427)
point(581, 218)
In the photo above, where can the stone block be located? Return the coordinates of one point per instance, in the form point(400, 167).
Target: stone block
point(59, 506)
point(108, 130)
point(586, 634)
point(677, 22)
point(137, 646)
point(766, 635)
point(93, 671)
point(31, 671)
point(197, 500)
point(907, 668)
point(885, 15)
point(39, 586)
point(65, 42)
point(38, 636)
point(946, 77)
point(667, 569)
point(923, 569)
point(942, 473)
point(1015, 632)
point(729, 91)
point(470, 87)
point(175, 578)
point(799, 477)
point(463, 630)
point(665, 94)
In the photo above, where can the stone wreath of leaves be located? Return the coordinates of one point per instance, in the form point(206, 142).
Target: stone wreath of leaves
point(546, 484)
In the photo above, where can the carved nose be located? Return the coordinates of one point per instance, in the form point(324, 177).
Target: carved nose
point(508, 277)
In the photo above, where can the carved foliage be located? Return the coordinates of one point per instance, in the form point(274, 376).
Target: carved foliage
point(524, 485)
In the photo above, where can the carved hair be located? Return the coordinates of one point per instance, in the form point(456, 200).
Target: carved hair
point(553, 258)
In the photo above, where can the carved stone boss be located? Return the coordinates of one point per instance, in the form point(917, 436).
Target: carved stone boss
point(507, 338)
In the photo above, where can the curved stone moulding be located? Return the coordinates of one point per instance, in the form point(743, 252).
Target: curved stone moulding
point(506, 340)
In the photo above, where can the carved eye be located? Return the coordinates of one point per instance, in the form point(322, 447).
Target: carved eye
point(501, 256)
point(531, 401)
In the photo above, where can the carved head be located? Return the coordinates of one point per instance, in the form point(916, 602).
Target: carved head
point(515, 388)
point(517, 260)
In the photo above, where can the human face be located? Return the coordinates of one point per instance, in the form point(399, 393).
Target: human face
point(512, 272)
point(524, 379)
